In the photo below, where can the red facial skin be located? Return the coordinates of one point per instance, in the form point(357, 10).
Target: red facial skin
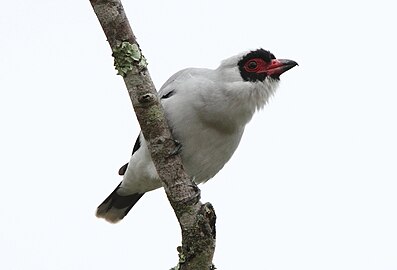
point(275, 68)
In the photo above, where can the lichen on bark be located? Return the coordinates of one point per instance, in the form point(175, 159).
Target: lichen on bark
point(125, 54)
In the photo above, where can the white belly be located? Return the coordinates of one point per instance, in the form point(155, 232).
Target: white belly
point(205, 154)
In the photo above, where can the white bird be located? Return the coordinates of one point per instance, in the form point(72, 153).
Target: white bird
point(207, 111)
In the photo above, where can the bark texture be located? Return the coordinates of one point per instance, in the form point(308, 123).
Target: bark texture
point(197, 220)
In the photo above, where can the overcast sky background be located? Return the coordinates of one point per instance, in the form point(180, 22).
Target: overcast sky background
point(312, 186)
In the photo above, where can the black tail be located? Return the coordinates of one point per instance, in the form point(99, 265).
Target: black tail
point(115, 207)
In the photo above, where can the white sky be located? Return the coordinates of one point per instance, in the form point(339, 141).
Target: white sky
point(312, 186)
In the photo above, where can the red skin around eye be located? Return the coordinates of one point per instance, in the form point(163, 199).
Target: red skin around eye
point(261, 65)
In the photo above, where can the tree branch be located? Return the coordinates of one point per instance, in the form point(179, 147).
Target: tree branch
point(197, 220)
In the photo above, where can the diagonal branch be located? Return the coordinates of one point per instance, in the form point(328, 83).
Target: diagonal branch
point(197, 220)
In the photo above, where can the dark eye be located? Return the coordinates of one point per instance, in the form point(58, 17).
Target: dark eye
point(252, 65)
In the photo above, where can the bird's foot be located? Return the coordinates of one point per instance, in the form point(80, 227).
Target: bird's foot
point(178, 148)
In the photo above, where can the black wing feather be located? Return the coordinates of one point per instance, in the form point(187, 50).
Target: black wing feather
point(137, 145)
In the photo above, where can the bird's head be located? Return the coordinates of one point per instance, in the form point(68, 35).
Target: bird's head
point(260, 65)
point(254, 74)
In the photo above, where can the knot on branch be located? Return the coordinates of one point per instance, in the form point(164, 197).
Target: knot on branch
point(128, 57)
point(207, 211)
point(147, 98)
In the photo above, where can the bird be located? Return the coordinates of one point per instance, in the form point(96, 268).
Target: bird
point(207, 111)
